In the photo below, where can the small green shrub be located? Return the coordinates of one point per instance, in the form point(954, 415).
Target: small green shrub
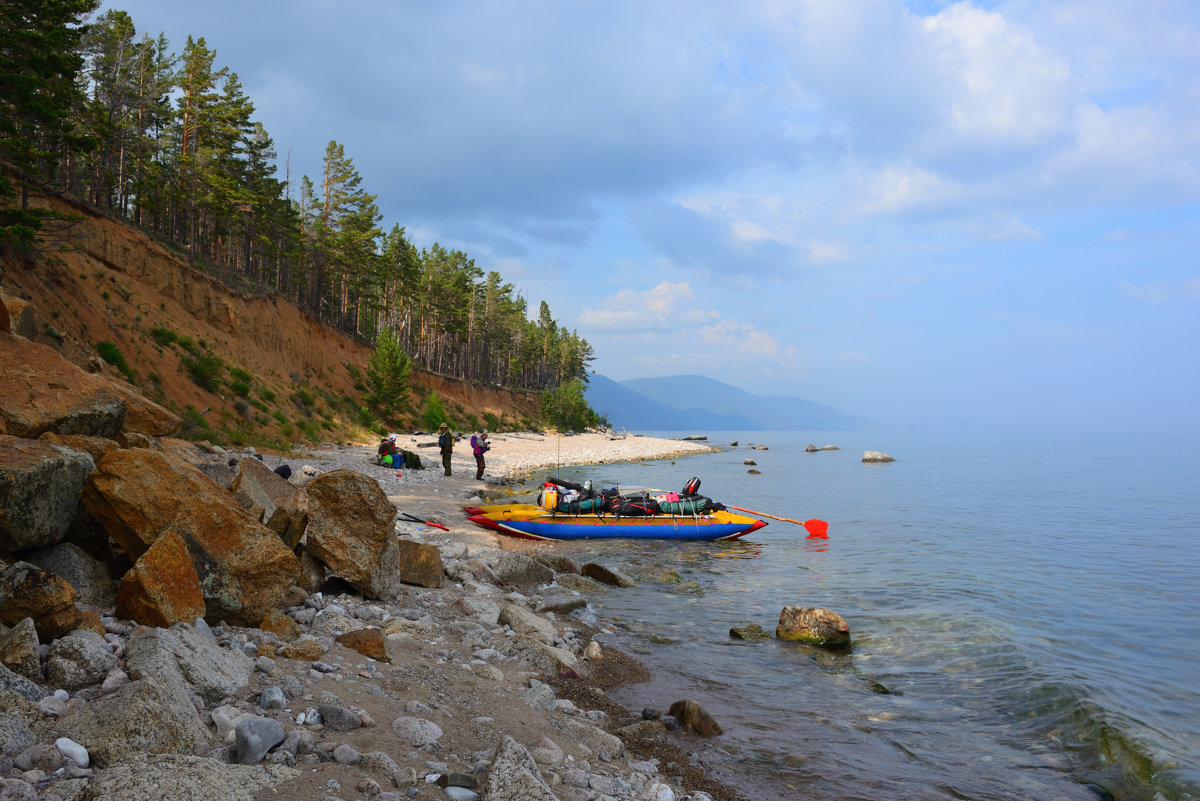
point(206, 370)
point(163, 336)
point(112, 354)
point(266, 394)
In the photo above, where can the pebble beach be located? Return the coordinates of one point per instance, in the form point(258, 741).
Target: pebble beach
point(486, 687)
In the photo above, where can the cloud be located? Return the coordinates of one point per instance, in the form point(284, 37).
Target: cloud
point(633, 311)
point(1159, 292)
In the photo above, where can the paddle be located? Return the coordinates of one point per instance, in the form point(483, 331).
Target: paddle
point(426, 522)
point(816, 528)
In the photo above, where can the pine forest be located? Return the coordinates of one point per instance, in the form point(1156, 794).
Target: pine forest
point(168, 142)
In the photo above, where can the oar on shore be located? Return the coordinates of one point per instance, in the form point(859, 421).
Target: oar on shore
point(818, 529)
point(426, 522)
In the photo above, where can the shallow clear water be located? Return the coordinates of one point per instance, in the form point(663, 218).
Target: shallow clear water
point(1023, 613)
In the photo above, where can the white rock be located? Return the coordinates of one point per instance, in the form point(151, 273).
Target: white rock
point(460, 793)
point(73, 751)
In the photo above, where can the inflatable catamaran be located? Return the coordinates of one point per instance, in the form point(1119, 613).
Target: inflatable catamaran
point(570, 511)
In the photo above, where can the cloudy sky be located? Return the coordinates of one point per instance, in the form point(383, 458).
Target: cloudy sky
point(932, 214)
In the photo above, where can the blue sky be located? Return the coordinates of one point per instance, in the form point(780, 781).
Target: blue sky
point(931, 214)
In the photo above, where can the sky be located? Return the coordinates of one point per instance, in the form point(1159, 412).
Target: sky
point(935, 215)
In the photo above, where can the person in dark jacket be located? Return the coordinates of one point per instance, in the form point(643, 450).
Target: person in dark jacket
point(479, 446)
point(446, 443)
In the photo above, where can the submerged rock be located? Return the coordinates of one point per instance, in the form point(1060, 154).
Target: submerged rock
point(813, 626)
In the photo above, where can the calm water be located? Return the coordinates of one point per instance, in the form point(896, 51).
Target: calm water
point(1025, 616)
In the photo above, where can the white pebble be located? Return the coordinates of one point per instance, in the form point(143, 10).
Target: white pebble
point(460, 793)
point(62, 695)
point(73, 751)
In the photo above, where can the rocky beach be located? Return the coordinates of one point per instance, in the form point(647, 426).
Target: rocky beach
point(181, 621)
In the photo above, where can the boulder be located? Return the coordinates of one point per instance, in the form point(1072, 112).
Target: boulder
point(96, 447)
point(751, 631)
point(539, 655)
point(605, 575)
point(41, 391)
point(39, 491)
point(525, 623)
point(420, 564)
point(813, 626)
point(694, 718)
point(162, 588)
point(514, 775)
point(19, 685)
point(154, 777)
point(478, 609)
point(243, 567)
point(282, 626)
point(78, 660)
point(90, 577)
point(522, 571)
point(182, 654)
point(15, 735)
point(144, 716)
point(283, 505)
point(604, 745)
point(255, 737)
point(350, 530)
point(19, 651)
point(579, 583)
point(876, 456)
point(28, 591)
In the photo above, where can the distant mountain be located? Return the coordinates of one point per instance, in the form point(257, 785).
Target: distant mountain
point(625, 408)
point(724, 403)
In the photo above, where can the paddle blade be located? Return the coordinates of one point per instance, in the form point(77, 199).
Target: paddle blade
point(817, 528)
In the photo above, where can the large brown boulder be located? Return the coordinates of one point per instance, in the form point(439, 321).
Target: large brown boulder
point(283, 505)
point(162, 589)
point(244, 569)
point(350, 530)
point(27, 591)
point(39, 491)
point(41, 391)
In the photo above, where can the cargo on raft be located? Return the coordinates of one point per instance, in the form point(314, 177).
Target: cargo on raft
point(569, 511)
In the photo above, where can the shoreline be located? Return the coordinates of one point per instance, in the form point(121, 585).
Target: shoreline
point(432, 496)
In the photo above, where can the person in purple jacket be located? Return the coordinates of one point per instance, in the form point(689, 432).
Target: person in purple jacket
point(479, 445)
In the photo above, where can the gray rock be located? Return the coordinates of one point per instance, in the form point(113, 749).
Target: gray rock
point(527, 624)
point(16, 790)
point(255, 737)
point(207, 669)
point(184, 778)
point(346, 755)
point(90, 577)
point(540, 696)
point(538, 655)
point(145, 716)
point(599, 742)
point(522, 571)
point(20, 685)
point(15, 735)
point(416, 731)
point(338, 718)
point(299, 742)
point(272, 698)
point(19, 650)
point(78, 660)
point(514, 775)
point(578, 583)
point(39, 491)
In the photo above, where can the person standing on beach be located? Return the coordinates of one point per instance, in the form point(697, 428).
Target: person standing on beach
point(480, 446)
point(446, 443)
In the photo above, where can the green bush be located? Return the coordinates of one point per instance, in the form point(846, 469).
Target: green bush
point(206, 370)
point(493, 422)
point(112, 354)
point(163, 336)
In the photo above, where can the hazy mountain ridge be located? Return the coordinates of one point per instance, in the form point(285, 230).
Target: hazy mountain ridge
point(659, 404)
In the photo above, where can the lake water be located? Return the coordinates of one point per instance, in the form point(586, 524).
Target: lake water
point(1025, 615)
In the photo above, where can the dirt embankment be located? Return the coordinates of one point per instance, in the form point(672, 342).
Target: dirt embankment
point(286, 376)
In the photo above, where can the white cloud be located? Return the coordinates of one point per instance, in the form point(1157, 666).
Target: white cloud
point(852, 356)
point(1158, 292)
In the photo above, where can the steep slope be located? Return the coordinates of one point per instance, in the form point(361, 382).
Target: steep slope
point(770, 412)
point(626, 408)
point(281, 374)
